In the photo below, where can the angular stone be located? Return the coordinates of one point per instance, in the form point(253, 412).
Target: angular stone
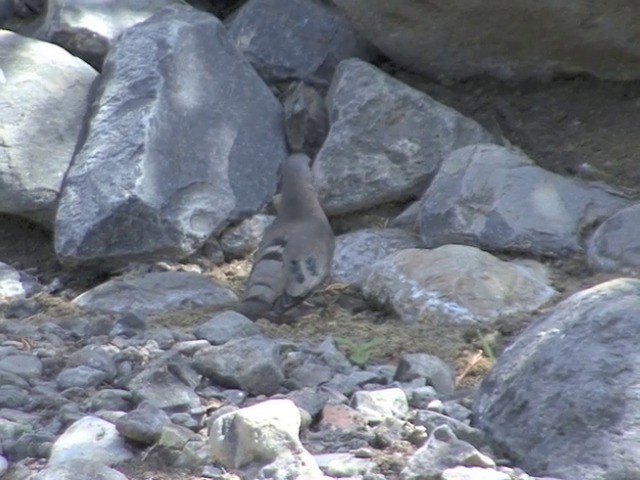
point(167, 382)
point(189, 137)
point(357, 251)
point(454, 284)
point(14, 284)
point(81, 377)
point(377, 405)
point(243, 239)
point(342, 417)
point(422, 365)
point(432, 420)
point(295, 39)
point(615, 245)
point(252, 364)
point(144, 424)
point(42, 102)
point(109, 399)
point(441, 452)
point(311, 400)
point(386, 139)
point(90, 439)
point(94, 356)
point(310, 375)
point(263, 434)
point(496, 198)
point(226, 326)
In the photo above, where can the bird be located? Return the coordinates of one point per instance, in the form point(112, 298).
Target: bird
point(295, 254)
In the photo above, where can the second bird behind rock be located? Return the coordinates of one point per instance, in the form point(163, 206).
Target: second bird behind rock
point(295, 254)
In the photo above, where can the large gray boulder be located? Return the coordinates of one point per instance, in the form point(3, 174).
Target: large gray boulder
point(180, 127)
point(386, 139)
point(295, 39)
point(43, 91)
point(156, 292)
point(455, 285)
point(529, 38)
point(563, 399)
point(496, 198)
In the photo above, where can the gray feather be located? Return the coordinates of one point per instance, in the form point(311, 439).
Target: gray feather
point(295, 254)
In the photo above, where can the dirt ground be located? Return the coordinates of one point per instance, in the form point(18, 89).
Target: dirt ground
point(572, 126)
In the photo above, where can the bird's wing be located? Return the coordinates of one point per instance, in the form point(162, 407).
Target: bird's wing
point(307, 260)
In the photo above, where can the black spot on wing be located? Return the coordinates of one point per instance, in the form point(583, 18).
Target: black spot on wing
point(296, 270)
point(279, 242)
point(312, 266)
point(272, 255)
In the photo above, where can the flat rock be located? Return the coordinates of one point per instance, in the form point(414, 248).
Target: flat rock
point(356, 251)
point(528, 39)
point(615, 245)
point(156, 292)
point(24, 365)
point(42, 102)
point(81, 377)
point(251, 364)
point(90, 439)
point(580, 354)
point(386, 139)
point(442, 451)
point(454, 284)
point(226, 326)
point(244, 238)
point(295, 39)
point(192, 129)
point(496, 198)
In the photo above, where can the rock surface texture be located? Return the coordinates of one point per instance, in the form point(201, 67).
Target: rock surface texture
point(168, 143)
point(394, 136)
point(33, 165)
point(578, 356)
point(528, 39)
point(441, 264)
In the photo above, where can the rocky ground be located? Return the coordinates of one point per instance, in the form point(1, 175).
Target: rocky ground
point(573, 126)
